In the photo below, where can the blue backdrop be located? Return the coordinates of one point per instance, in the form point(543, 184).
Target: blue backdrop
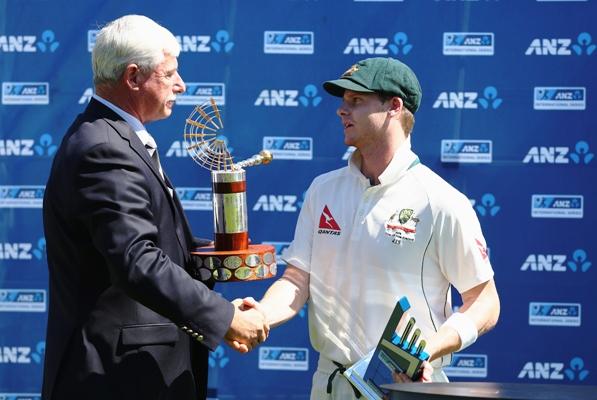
point(508, 117)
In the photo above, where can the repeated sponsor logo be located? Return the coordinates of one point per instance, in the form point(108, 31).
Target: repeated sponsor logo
point(201, 92)
point(21, 93)
point(559, 98)
point(20, 396)
point(557, 206)
point(467, 366)
point(398, 44)
point(284, 358)
point(44, 147)
point(468, 44)
point(10, 354)
point(23, 250)
point(23, 196)
point(221, 42)
point(555, 370)
point(289, 97)
point(288, 42)
point(580, 154)
point(86, 96)
point(554, 314)
point(466, 151)
point(289, 148)
point(178, 148)
point(487, 207)
point(469, 100)
point(91, 36)
point(562, 46)
point(577, 262)
point(195, 198)
point(463, 1)
point(23, 300)
point(218, 358)
point(277, 203)
point(46, 43)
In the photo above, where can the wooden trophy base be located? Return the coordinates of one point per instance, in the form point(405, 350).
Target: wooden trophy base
point(256, 262)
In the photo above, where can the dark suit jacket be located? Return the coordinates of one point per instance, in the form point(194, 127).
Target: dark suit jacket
point(117, 245)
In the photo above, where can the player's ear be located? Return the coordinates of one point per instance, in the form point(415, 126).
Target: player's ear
point(396, 105)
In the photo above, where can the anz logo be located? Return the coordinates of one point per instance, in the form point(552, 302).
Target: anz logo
point(177, 149)
point(86, 96)
point(28, 147)
point(562, 46)
point(289, 98)
point(205, 44)
point(17, 93)
point(29, 43)
point(277, 203)
point(379, 45)
point(22, 354)
point(469, 100)
point(555, 371)
point(218, 358)
point(23, 251)
point(580, 154)
point(557, 262)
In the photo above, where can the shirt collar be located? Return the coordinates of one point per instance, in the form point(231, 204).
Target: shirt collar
point(401, 161)
point(137, 126)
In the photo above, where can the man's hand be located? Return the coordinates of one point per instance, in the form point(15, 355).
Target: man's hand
point(248, 329)
point(425, 376)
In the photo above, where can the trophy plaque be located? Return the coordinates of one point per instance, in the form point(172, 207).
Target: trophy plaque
point(231, 258)
point(400, 349)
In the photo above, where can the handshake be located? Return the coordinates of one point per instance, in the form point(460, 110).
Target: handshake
point(249, 326)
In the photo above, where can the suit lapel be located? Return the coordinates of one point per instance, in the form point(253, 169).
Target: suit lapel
point(126, 132)
point(183, 230)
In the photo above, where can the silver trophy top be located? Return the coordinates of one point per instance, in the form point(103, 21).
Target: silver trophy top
point(208, 149)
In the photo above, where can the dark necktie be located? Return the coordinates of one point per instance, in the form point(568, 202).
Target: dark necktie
point(152, 149)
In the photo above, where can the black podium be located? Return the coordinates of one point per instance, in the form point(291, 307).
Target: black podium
point(488, 390)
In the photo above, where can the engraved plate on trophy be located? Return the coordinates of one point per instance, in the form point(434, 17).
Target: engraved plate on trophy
point(231, 258)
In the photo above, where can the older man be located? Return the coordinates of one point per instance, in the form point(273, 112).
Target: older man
point(126, 320)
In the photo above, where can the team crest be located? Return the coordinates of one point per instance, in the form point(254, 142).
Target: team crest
point(402, 225)
point(350, 71)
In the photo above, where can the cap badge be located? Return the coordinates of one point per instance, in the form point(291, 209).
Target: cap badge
point(351, 70)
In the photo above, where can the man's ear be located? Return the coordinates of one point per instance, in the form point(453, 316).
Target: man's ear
point(396, 105)
point(132, 76)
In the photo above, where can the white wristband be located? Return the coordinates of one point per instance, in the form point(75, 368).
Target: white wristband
point(465, 327)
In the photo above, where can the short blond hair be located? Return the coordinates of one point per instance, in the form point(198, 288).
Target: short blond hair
point(407, 118)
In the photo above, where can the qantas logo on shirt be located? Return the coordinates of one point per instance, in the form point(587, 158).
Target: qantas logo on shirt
point(327, 223)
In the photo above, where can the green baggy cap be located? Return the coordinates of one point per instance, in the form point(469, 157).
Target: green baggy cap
point(379, 75)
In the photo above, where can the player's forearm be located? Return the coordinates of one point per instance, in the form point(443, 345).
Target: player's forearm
point(478, 314)
point(443, 342)
point(286, 296)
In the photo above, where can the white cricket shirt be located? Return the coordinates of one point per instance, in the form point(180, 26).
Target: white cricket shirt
point(365, 246)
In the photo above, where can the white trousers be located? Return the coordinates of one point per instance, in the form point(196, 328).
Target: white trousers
point(341, 388)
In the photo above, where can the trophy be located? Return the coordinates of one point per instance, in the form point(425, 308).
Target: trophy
point(231, 258)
